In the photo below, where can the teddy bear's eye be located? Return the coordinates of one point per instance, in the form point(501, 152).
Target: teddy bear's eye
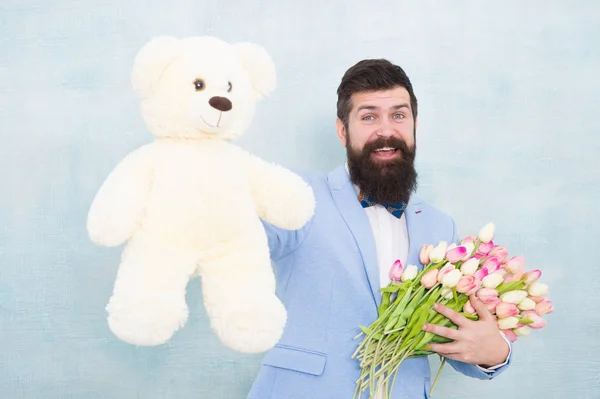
point(199, 84)
point(230, 87)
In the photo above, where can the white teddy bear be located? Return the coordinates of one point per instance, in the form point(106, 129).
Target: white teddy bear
point(190, 203)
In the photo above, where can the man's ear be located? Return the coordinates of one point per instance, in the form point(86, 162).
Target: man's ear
point(341, 131)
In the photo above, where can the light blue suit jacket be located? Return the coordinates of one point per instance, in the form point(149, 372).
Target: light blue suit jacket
point(328, 279)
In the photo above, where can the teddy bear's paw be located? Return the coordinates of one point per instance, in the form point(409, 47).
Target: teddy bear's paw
point(253, 327)
point(147, 321)
point(297, 208)
point(107, 231)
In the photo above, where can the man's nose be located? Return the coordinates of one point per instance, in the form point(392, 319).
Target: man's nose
point(385, 129)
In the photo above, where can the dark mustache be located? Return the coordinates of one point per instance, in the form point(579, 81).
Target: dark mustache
point(381, 142)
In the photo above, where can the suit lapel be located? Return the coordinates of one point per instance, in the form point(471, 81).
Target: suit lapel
point(417, 234)
point(356, 219)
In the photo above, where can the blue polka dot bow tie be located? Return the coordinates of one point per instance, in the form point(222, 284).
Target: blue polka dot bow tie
point(396, 209)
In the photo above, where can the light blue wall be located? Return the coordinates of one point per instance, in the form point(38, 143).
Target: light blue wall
point(509, 132)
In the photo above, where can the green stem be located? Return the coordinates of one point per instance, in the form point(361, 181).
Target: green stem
point(437, 377)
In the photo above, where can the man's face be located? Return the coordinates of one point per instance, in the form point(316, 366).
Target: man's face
point(380, 143)
point(379, 114)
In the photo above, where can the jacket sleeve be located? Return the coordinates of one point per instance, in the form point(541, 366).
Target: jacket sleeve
point(284, 242)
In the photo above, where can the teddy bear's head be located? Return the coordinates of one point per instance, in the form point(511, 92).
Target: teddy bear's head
point(200, 86)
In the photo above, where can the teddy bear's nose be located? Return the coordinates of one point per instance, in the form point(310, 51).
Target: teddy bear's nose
point(220, 103)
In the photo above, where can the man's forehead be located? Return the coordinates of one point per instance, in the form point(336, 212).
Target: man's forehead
point(381, 98)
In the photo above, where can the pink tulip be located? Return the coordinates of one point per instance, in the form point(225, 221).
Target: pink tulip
point(485, 248)
point(492, 264)
point(513, 277)
point(481, 274)
point(467, 239)
point(506, 310)
point(424, 254)
point(445, 270)
point(538, 321)
point(429, 279)
point(468, 285)
point(468, 308)
point(487, 295)
point(532, 276)
point(455, 254)
point(396, 271)
point(537, 299)
point(544, 307)
point(499, 252)
point(515, 264)
point(510, 335)
point(492, 305)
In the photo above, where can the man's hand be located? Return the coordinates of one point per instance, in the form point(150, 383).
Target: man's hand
point(475, 342)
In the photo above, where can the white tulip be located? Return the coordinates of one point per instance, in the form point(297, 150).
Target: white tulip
point(469, 267)
point(508, 323)
point(439, 252)
point(486, 234)
point(515, 296)
point(409, 273)
point(522, 331)
point(470, 248)
point(447, 293)
point(451, 279)
point(492, 280)
point(538, 289)
point(527, 304)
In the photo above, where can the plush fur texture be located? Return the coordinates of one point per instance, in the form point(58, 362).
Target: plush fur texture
point(189, 203)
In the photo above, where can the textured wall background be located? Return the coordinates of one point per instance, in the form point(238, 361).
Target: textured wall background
point(509, 132)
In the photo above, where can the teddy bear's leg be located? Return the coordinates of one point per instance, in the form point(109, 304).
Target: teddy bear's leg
point(148, 302)
point(238, 287)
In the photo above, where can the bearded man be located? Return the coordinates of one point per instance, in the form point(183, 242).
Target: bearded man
point(329, 272)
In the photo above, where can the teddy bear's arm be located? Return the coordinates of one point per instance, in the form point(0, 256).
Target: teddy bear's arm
point(120, 202)
point(282, 197)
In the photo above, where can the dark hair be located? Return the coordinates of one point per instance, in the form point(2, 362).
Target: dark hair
point(371, 75)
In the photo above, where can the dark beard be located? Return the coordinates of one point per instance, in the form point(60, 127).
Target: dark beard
point(385, 181)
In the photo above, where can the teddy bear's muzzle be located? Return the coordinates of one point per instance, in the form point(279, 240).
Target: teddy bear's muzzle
point(221, 103)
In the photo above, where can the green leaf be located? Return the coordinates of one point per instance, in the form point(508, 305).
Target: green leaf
point(366, 330)
point(385, 303)
point(440, 340)
point(390, 288)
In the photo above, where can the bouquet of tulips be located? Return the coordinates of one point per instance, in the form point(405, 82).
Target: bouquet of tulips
point(451, 273)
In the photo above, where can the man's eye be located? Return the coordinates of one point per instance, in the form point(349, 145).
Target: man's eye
point(368, 118)
point(399, 116)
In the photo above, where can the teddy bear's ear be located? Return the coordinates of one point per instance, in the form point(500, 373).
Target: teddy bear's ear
point(151, 61)
point(260, 68)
